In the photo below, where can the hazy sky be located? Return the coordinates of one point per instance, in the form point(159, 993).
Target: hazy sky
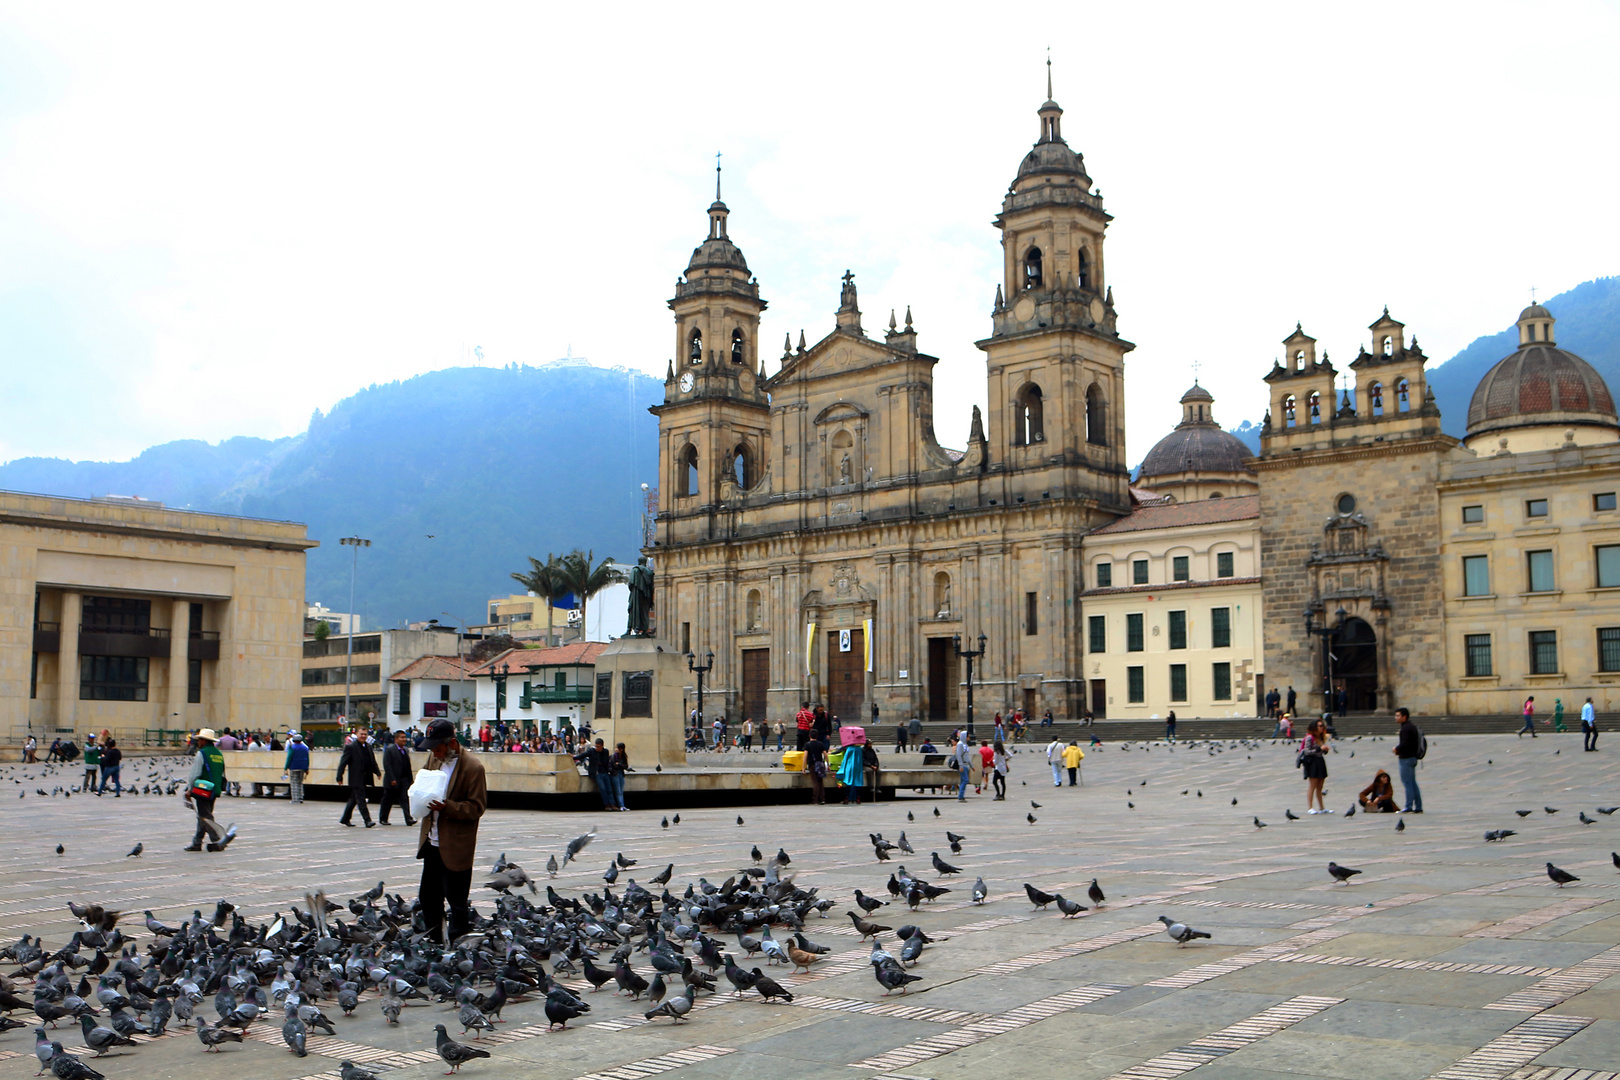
point(215, 219)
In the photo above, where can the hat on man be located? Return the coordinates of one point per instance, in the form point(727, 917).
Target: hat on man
point(207, 733)
point(296, 736)
point(439, 731)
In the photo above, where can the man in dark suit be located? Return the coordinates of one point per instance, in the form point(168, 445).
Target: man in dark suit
point(396, 779)
point(449, 840)
point(361, 765)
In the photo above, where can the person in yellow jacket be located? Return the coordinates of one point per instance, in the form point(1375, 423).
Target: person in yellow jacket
point(1072, 757)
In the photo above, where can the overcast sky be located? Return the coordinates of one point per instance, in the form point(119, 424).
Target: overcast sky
point(215, 219)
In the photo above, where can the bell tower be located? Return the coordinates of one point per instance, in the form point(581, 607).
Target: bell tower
point(1055, 360)
point(714, 425)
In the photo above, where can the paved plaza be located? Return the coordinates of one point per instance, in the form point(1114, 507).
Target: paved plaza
point(1447, 957)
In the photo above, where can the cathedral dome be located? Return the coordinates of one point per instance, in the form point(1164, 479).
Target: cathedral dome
point(1541, 386)
point(717, 251)
point(1051, 155)
point(1197, 445)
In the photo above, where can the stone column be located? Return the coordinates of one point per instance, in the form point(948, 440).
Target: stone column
point(67, 661)
point(174, 712)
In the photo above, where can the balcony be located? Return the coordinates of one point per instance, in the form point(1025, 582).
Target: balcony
point(47, 637)
point(574, 695)
point(150, 642)
point(203, 645)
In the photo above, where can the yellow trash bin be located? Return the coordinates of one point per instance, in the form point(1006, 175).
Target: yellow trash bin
point(793, 760)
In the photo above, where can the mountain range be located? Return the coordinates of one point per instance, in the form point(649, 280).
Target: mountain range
point(457, 476)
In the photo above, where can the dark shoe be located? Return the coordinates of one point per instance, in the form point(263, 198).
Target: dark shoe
point(192, 847)
point(350, 824)
point(216, 847)
point(409, 822)
point(370, 824)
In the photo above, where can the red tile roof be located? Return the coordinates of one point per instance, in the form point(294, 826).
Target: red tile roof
point(582, 653)
point(1171, 515)
point(435, 669)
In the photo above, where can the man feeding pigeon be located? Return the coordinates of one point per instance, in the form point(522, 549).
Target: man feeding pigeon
point(450, 832)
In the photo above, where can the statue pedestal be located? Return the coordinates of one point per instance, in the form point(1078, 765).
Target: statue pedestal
point(647, 709)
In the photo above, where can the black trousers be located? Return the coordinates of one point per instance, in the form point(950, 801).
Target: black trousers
point(205, 821)
point(803, 735)
point(441, 887)
point(357, 797)
point(396, 795)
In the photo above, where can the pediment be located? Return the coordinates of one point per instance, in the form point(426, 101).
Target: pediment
point(836, 354)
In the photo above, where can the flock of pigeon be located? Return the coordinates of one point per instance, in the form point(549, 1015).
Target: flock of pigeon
point(144, 776)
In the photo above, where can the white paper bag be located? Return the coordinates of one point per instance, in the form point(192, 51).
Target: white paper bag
point(430, 785)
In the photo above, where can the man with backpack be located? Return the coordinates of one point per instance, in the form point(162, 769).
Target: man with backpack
point(1410, 748)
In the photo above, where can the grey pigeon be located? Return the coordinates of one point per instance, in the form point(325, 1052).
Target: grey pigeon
point(576, 845)
point(64, 1066)
point(1181, 932)
point(1499, 834)
point(348, 1070)
point(211, 1037)
point(979, 891)
point(456, 1054)
point(1257, 822)
point(391, 1007)
point(1559, 877)
point(1400, 826)
point(675, 1008)
point(296, 1035)
point(1096, 893)
point(551, 865)
point(1350, 813)
point(472, 1018)
point(101, 1039)
point(1587, 820)
point(1070, 908)
point(893, 978)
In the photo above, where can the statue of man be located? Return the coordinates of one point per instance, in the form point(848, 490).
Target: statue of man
point(641, 598)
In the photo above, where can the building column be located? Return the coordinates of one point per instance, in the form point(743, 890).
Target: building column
point(67, 662)
point(174, 713)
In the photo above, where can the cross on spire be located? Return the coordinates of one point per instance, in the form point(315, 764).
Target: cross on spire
point(1195, 366)
point(1532, 294)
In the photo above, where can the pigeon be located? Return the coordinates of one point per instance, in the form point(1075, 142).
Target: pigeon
point(739, 819)
point(101, 1039)
point(211, 1037)
point(1587, 820)
point(623, 862)
point(559, 1011)
point(1070, 908)
point(677, 819)
point(953, 838)
point(1560, 878)
point(348, 1070)
point(1036, 897)
point(64, 1066)
point(869, 904)
point(979, 891)
point(456, 1054)
point(135, 852)
point(910, 816)
point(391, 1007)
point(1400, 826)
point(944, 867)
point(1341, 874)
point(1095, 893)
point(1031, 818)
point(1604, 810)
point(551, 866)
point(675, 1008)
point(296, 1035)
point(866, 929)
point(60, 849)
point(1181, 932)
point(893, 978)
point(1290, 815)
point(1550, 809)
point(576, 845)
point(1350, 813)
point(1034, 804)
point(1499, 834)
point(936, 811)
point(1234, 800)
point(757, 855)
point(1523, 813)
point(1258, 823)
point(664, 824)
point(768, 987)
point(801, 959)
point(472, 1018)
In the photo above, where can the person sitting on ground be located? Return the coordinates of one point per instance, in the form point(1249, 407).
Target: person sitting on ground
point(1378, 797)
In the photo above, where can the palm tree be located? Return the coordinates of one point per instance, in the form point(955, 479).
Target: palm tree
point(545, 580)
point(584, 577)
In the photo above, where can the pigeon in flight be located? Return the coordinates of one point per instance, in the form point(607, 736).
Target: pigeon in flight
point(1341, 874)
point(1560, 877)
point(1181, 932)
point(576, 845)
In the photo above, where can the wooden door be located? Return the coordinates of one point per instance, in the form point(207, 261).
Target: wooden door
point(1029, 705)
point(756, 682)
point(846, 676)
point(942, 679)
point(1099, 698)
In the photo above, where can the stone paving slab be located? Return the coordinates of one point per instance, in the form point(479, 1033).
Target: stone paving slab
point(1448, 957)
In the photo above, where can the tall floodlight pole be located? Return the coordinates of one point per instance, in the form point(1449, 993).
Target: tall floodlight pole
point(356, 542)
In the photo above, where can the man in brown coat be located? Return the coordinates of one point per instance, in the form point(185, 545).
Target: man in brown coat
point(450, 833)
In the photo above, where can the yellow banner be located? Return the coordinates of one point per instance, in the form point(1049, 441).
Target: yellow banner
point(868, 637)
point(809, 648)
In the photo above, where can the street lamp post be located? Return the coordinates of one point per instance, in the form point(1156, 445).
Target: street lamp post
point(700, 670)
point(356, 542)
point(970, 655)
point(1326, 633)
point(500, 690)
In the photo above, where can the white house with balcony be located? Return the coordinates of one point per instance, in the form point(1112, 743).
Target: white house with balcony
point(543, 689)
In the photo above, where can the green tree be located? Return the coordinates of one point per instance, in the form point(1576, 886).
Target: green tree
point(545, 580)
point(585, 578)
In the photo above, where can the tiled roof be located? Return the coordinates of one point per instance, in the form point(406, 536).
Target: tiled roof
point(435, 668)
point(1173, 515)
point(580, 652)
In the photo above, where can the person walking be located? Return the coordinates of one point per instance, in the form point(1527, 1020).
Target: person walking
point(1409, 750)
point(1001, 765)
point(1292, 699)
point(92, 765)
point(396, 765)
point(202, 790)
point(1529, 717)
point(619, 764)
point(1589, 726)
point(914, 731)
point(900, 737)
point(296, 766)
point(1054, 758)
point(780, 730)
point(802, 720)
point(30, 753)
point(748, 734)
point(1558, 715)
point(361, 765)
point(821, 725)
point(1313, 759)
point(815, 763)
point(1072, 757)
point(449, 837)
point(1342, 699)
point(1170, 727)
point(112, 769)
point(962, 756)
point(852, 772)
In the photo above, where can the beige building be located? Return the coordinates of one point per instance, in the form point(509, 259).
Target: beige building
point(815, 536)
point(120, 614)
point(329, 667)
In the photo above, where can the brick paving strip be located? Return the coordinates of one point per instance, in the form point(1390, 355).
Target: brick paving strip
point(662, 1063)
point(1556, 989)
point(1552, 1072)
point(1212, 1047)
point(1521, 970)
point(1518, 1046)
point(1529, 920)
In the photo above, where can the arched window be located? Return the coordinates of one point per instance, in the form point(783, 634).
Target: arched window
point(686, 482)
point(1032, 269)
point(942, 595)
point(1082, 269)
point(1389, 345)
point(736, 346)
point(1290, 411)
point(694, 349)
point(743, 466)
point(1299, 360)
point(1403, 395)
point(1029, 427)
point(752, 611)
point(1214, 494)
point(1375, 394)
point(1096, 417)
point(1315, 403)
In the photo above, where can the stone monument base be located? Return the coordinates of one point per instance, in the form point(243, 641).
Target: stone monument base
point(646, 709)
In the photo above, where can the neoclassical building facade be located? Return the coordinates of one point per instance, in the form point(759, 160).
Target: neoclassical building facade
point(815, 536)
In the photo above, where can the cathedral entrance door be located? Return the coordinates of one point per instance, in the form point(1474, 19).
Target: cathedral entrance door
point(756, 682)
point(846, 676)
point(942, 679)
point(1355, 664)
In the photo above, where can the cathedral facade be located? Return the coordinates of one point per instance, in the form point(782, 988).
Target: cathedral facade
point(815, 537)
